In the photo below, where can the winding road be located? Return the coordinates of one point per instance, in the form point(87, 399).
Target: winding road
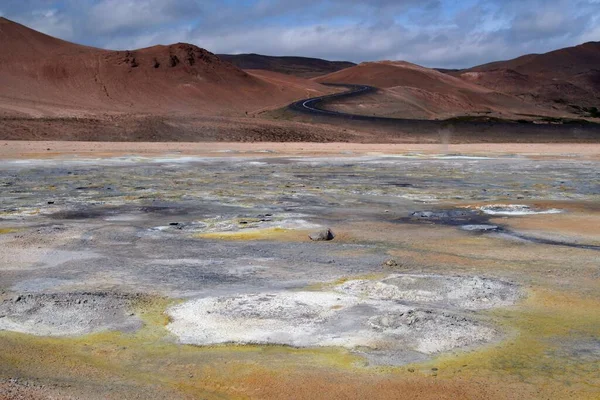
point(313, 105)
point(486, 129)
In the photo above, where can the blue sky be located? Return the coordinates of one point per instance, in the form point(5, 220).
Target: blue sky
point(435, 33)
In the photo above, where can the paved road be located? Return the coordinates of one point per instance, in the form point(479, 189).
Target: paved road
point(535, 132)
point(314, 105)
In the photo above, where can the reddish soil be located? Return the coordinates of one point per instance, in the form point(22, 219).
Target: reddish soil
point(569, 75)
point(412, 91)
point(42, 76)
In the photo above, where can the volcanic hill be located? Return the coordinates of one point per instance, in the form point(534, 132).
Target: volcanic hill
point(411, 91)
point(41, 75)
point(568, 77)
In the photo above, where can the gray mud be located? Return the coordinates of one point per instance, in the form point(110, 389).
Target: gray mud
point(67, 314)
point(477, 222)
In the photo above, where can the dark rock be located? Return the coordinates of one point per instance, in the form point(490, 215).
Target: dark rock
point(404, 185)
point(448, 217)
point(422, 214)
point(324, 235)
point(177, 225)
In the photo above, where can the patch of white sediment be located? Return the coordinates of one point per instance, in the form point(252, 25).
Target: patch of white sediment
point(309, 319)
point(292, 318)
point(469, 293)
point(429, 331)
point(393, 315)
point(516, 209)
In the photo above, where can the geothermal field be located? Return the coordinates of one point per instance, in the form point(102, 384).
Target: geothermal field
point(194, 206)
point(191, 274)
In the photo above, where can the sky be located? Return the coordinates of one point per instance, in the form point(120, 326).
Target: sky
point(433, 33)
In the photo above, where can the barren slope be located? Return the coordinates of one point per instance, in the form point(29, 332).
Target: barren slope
point(570, 75)
point(412, 91)
point(41, 75)
point(563, 63)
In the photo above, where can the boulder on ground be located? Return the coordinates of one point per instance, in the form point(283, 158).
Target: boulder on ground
point(324, 235)
point(390, 263)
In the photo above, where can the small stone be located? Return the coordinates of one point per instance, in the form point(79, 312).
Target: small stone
point(324, 235)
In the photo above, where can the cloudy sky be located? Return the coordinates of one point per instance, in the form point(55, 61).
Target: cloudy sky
point(435, 33)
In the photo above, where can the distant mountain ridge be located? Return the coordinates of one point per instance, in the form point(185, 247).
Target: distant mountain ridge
point(565, 76)
point(304, 67)
point(411, 91)
point(41, 75)
point(564, 62)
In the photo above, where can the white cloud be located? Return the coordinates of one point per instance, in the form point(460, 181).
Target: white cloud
point(593, 33)
point(110, 16)
point(443, 33)
point(51, 22)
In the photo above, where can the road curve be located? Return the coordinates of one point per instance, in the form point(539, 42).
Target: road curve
point(314, 105)
point(539, 132)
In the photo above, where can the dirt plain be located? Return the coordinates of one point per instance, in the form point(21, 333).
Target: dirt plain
point(459, 271)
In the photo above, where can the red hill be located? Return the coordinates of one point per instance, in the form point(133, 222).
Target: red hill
point(412, 91)
point(570, 75)
point(41, 75)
